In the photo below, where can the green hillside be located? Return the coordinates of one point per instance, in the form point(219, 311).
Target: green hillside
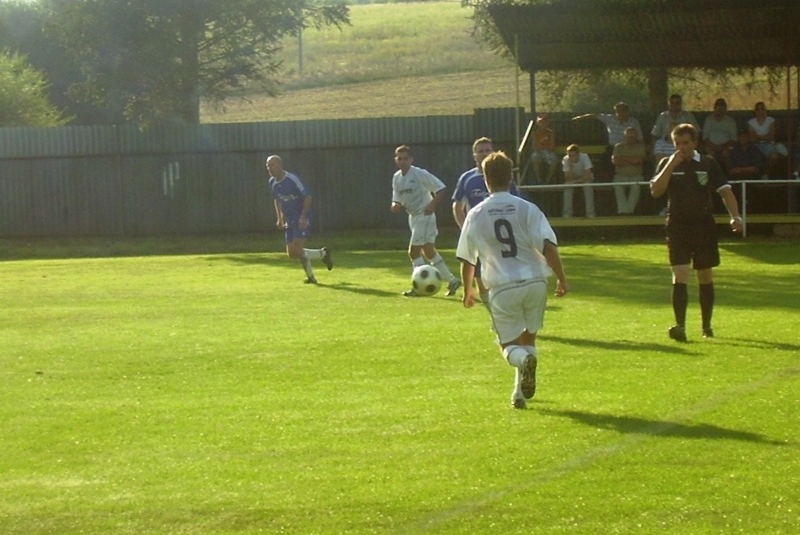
point(395, 59)
point(418, 59)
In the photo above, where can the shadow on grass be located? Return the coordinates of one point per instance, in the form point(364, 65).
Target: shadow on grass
point(777, 251)
point(252, 259)
point(621, 345)
point(643, 426)
point(352, 288)
point(761, 344)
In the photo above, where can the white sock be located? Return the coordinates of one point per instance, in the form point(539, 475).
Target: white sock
point(314, 253)
point(416, 262)
point(515, 355)
point(438, 262)
point(530, 349)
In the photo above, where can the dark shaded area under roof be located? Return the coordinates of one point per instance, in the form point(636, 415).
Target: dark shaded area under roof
point(587, 34)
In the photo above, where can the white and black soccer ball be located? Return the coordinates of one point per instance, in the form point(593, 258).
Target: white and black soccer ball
point(426, 280)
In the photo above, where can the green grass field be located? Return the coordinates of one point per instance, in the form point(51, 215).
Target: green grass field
point(196, 386)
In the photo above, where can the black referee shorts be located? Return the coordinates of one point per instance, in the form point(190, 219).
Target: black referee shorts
point(694, 243)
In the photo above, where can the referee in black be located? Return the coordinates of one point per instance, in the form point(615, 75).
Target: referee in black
point(690, 179)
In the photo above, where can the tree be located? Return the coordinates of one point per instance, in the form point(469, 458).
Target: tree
point(22, 32)
point(23, 95)
point(158, 58)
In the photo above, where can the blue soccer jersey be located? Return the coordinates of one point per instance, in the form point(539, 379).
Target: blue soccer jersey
point(290, 193)
point(471, 189)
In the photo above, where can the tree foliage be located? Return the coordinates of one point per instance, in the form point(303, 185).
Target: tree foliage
point(584, 88)
point(158, 58)
point(23, 95)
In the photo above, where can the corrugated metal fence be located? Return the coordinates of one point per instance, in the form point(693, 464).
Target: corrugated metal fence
point(210, 178)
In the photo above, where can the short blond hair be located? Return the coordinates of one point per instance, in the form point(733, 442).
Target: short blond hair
point(498, 170)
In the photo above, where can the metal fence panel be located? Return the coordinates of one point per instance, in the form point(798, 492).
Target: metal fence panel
point(123, 181)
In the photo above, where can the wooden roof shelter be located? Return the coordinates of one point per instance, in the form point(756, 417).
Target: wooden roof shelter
point(592, 34)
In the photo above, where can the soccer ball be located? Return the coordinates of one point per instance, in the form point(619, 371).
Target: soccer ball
point(426, 280)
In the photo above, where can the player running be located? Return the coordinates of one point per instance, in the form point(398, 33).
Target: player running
point(519, 251)
point(293, 208)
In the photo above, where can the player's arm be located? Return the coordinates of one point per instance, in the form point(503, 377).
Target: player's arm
point(732, 206)
point(459, 213)
point(467, 278)
point(303, 222)
point(278, 214)
point(550, 253)
point(437, 197)
point(660, 182)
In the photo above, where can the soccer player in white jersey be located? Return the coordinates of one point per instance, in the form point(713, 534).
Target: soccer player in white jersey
point(418, 192)
point(293, 209)
point(519, 251)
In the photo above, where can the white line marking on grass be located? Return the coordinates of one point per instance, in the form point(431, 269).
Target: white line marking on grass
point(631, 438)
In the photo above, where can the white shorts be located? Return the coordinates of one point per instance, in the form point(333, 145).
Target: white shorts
point(518, 307)
point(423, 229)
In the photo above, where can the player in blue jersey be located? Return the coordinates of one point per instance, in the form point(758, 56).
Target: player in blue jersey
point(471, 190)
point(293, 208)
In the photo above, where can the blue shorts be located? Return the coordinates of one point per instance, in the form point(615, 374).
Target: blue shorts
point(292, 232)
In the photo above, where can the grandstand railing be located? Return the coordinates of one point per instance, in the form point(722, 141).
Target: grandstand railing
point(791, 215)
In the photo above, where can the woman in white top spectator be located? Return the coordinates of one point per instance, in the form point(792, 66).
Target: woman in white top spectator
point(762, 132)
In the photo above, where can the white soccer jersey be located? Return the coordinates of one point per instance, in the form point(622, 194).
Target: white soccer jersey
point(415, 189)
point(508, 234)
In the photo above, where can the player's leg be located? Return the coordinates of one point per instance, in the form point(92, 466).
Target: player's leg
point(415, 243)
point(436, 260)
point(706, 284)
point(295, 248)
point(706, 258)
point(680, 300)
point(516, 341)
point(311, 254)
point(427, 231)
point(323, 254)
point(680, 255)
